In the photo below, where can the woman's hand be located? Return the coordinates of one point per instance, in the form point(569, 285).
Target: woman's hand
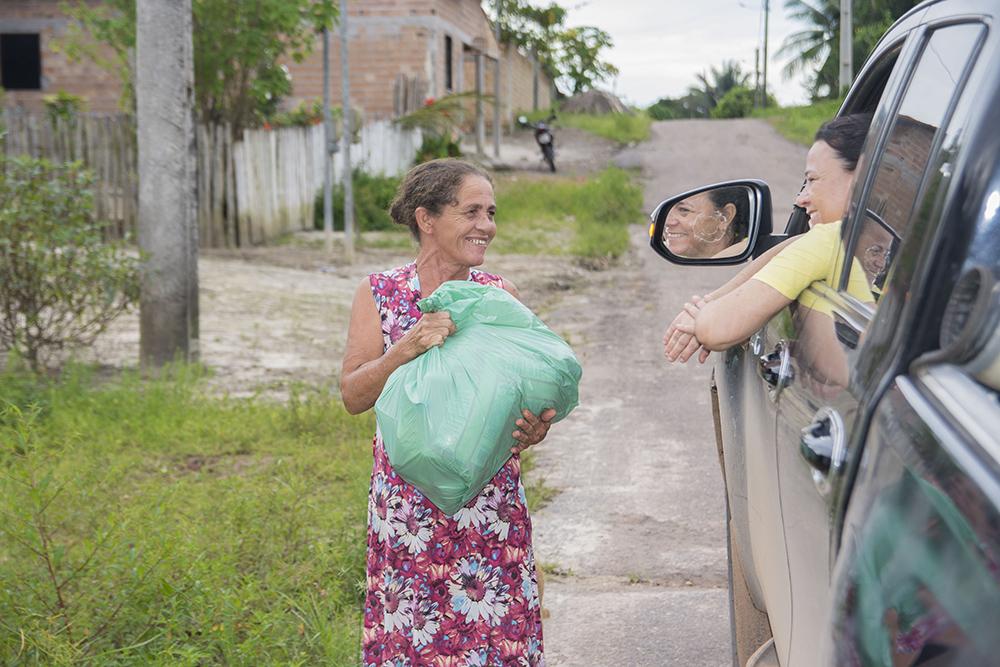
point(532, 429)
point(679, 342)
point(429, 331)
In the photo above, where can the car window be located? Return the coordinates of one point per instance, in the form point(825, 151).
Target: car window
point(880, 223)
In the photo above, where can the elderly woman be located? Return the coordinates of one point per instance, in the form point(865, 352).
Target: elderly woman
point(441, 589)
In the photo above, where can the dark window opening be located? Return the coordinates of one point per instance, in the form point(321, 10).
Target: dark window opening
point(20, 62)
point(448, 81)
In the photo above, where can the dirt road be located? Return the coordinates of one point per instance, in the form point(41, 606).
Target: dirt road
point(638, 528)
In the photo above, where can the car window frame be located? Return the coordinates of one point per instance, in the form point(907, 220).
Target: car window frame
point(854, 221)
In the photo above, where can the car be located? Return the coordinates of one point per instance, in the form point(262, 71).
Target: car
point(860, 441)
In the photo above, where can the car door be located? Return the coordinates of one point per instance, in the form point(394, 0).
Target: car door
point(830, 366)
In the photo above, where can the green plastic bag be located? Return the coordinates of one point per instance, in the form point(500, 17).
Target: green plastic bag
point(446, 417)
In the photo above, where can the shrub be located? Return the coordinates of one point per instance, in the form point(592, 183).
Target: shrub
point(61, 281)
point(736, 103)
point(437, 146)
point(63, 106)
point(372, 196)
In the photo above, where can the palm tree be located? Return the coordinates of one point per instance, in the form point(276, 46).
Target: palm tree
point(714, 84)
point(816, 47)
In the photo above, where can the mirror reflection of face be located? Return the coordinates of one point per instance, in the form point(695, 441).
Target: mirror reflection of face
point(874, 244)
point(696, 227)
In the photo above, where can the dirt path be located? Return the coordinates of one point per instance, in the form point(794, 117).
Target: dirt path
point(638, 525)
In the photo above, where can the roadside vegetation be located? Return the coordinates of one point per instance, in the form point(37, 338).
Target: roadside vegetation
point(624, 128)
point(800, 123)
point(144, 523)
point(558, 216)
point(586, 217)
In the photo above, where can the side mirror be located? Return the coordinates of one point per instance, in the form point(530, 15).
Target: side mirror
point(714, 224)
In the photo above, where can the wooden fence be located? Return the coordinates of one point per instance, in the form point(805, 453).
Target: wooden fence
point(103, 142)
point(249, 191)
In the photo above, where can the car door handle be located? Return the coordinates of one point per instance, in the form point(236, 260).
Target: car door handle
point(775, 367)
point(824, 446)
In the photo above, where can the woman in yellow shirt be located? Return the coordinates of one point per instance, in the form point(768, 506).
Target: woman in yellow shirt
point(730, 314)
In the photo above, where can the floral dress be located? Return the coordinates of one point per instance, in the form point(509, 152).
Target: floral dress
point(448, 591)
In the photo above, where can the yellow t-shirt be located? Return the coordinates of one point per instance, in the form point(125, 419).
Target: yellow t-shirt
point(816, 255)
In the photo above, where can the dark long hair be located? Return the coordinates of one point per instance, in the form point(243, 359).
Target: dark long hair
point(846, 135)
point(738, 197)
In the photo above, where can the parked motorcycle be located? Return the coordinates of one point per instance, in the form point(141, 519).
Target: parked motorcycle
point(544, 138)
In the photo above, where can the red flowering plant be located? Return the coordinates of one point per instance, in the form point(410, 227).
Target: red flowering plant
point(441, 121)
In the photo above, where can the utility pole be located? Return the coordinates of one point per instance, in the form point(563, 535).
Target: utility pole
point(756, 76)
point(496, 85)
point(480, 120)
point(846, 45)
point(329, 149)
point(345, 73)
point(763, 92)
point(168, 229)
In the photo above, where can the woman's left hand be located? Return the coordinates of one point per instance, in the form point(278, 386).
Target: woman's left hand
point(532, 429)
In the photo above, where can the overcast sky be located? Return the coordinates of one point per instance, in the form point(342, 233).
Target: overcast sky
point(660, 45)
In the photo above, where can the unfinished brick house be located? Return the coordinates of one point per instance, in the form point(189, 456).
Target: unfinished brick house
point(401, 52)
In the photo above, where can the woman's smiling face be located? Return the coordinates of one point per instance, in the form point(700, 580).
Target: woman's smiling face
point(828, 185)
point(695, 227)
point(465, 227)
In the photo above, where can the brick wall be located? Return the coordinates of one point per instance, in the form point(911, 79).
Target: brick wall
point(97, 86)
point(901, 170)
point(387, 38)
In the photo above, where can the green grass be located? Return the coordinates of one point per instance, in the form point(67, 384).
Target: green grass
point(799, 124)
point(624, 128)
point(144, 523)
point(621, 127)
point(584, 217)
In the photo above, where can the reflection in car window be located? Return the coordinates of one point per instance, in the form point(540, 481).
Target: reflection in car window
point(886, 211)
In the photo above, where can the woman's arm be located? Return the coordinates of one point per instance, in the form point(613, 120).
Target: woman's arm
point(748, 271)
point(730, 319)
point(365, 368)
point(679, 341)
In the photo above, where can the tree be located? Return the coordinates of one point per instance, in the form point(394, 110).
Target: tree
point(572, 55)
point(579, 57)
point(61, 280)
point(736, 103)
point(815, 49)
point(713, 85)
point(237, 50)
point(536, 29)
